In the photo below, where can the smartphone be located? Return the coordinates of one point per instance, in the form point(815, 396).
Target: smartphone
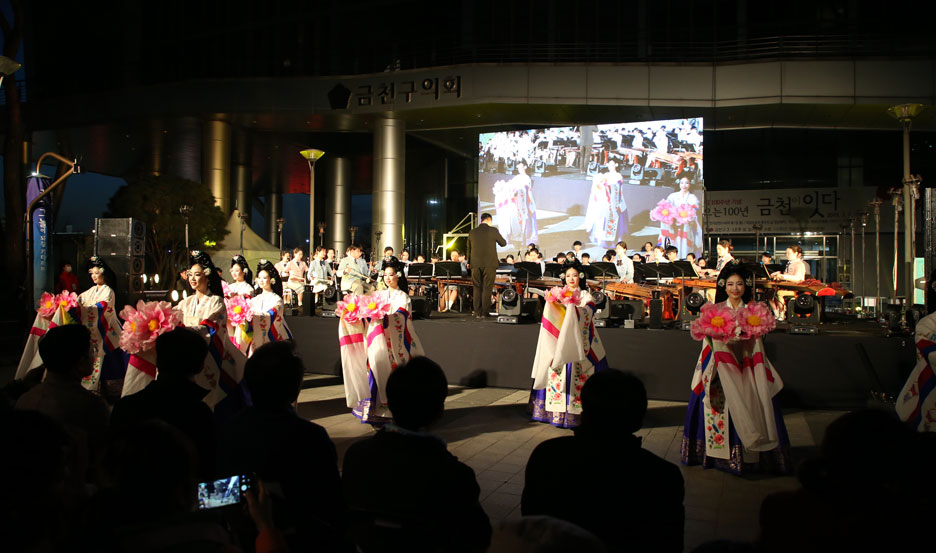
point(223, 492)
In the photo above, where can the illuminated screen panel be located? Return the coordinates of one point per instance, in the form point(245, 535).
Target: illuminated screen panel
point(598, 184)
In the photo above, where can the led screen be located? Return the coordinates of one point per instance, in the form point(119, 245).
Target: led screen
point(598, 184)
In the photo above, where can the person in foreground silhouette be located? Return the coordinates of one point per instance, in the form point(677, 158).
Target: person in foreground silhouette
point(602, 480)
point(406, 492)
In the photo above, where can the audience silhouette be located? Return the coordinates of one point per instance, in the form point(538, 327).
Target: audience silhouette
point(602, 480)
point(174, 397)
point(405, 490)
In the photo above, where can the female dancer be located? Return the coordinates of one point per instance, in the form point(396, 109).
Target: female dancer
point(267, 308)
point(204, 310)
point(98, 314)
point(243, 279)
point(606, 216)
point(557, 387)
point(687, 237)
point(734, 422)
point(391, 342)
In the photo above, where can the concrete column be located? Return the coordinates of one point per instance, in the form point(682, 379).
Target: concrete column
point(338, 201)
point(186, 149)
point(157, 134)
point(389, 176)
point(274, 198)
point(242, 177)
point(216, 166)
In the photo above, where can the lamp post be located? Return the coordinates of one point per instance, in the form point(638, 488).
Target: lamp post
point(854, 273)
point(432, 235)
point(896, 200)
point(876, 206)
point(904, 113)
point(863, 218)
point(757, 228)
point(353, 230)
point(279, 231)
point(321, 230)
point(8, 67)
point(186, 211)
point(311, 156)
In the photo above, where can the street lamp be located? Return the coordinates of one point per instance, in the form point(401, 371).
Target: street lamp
point(279, 231)
point(353, 230)
point(8, 67)
point(186, 211)
point(905, 114)
point(321, 230)
point(311, 156)
point(876, 206)
point(243, 219)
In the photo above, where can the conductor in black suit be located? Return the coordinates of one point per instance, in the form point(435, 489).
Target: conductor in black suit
point(483, 261)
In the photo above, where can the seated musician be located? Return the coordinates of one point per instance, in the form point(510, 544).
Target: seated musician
point(586, 259)
point(659, 255)
point(420, 258)
point(796, 267)
point(577, 248)
point(672, 254)
point(379, 267)
point(766, 258)
point(723, 248)
point(623, 264)
point(690, 257)
point(297, 270)
point(283, 266)
point(509, 260)
point(449, 295)
point(320, 272)
point(561, 258)
point(354, 272)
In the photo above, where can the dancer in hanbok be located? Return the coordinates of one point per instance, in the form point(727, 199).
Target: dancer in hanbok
point(204, 310)
point(376, 335)
point(266, 308)
point(916, 402)
point(606, 217)
point(734, 422)
point(685, 232)
point(568, 352)
point(242, 279)
point(516, 208)
point(94, 309)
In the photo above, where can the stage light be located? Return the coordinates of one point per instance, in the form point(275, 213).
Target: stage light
point(509, 296)
point(892, 318)
point(914, 314)
point(694, 302)
point(174, 295)
point(599, 299)
point(156, 278)
point(143, 276)
point(803, 314)
point(330, 301)
point(184, 294)
point(509, 306)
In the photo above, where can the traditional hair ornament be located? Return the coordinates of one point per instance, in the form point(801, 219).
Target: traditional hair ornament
point(721, 283)
point(201, 258)
point(95, 261)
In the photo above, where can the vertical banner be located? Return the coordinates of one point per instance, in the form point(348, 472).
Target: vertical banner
point(41, 246)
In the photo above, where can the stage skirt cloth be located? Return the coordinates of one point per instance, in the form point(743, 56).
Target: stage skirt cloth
point(692, 451)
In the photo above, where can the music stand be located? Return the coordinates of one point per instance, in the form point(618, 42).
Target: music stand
point(553, 270)
point(757, 270)
point(601, 269)
point(420, 270)
point(774, 268)
point(685, 269)
point(528, 270)
point(448, 269)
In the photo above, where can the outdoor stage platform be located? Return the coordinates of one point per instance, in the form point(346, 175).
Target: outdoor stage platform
point(819, 371)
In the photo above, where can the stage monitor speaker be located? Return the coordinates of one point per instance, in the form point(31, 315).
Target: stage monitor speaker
point(330, 297)
point(422, 307)
point(803, 314)
point(119, 237)
point(630, 309)
point(656, 313)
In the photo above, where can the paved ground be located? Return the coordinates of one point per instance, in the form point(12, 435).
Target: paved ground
point(489, 429)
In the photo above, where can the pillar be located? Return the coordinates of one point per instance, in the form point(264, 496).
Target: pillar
point(389, 176)
point(243, 199)
point(157, 135)
point(338, 203)
point(185, 149)
point(216, 166)
point(274, 197)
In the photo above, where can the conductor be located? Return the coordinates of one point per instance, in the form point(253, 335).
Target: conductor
point(483, 261)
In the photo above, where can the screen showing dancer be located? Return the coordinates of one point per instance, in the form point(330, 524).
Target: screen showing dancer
point(597, 184)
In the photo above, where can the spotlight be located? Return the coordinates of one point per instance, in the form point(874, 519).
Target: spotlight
point(184, 294)
point(689, 309)
point(329, 301)
point(174, 295)
point(892, 318)
point(508, 306)
point(914, 314)
point(156, 278)
point(803, 314)
point(600, 299)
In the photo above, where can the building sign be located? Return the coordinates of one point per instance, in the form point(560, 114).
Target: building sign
point(787, 210)
point(405, 91)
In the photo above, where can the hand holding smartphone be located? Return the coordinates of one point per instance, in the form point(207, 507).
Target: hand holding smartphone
point(224, 491)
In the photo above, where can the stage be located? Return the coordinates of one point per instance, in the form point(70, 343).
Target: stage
point(818, 371)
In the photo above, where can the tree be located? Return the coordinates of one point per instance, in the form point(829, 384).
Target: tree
point(156, 201)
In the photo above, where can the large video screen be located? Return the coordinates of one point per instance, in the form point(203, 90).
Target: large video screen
point(598, 184)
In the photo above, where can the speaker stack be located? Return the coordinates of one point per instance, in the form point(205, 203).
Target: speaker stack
point(121, 244)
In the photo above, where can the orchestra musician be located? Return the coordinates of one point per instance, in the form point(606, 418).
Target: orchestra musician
point(283, 266)
point(354, 272)
point(723, 249)
point(624, 264)
point(796, 267)
point(320, 272)
point(297, 269)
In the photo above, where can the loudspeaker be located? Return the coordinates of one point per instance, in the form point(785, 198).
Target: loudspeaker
point(127, 275)
point(330, 299)
point(656, 313)
point(308, 303)
point(422, 307)
point(629, 309)
point(119, 237)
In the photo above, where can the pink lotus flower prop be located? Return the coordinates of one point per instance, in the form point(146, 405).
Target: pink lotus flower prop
point(686, 213)
point(664, 212)
point(570, 296)
point(351, 308)
point(145, 323)
point(66, 300)
point(226, 289)
point(374, 306)
point(755, 320)
point(715, 321)
point(238, 309)
point(47, 305)
point(554, 294)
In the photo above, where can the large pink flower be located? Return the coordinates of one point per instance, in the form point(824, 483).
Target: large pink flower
point(350, 308)
point(570, 295)
point(47, 305)
point(715, 321)
point(66, 300)
point(145, 323)
point(238, 309)
point(375, 306)
point(664, 212)
point(686, 213)
point(554, 294)
point(756, 320)
point(226, 289)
